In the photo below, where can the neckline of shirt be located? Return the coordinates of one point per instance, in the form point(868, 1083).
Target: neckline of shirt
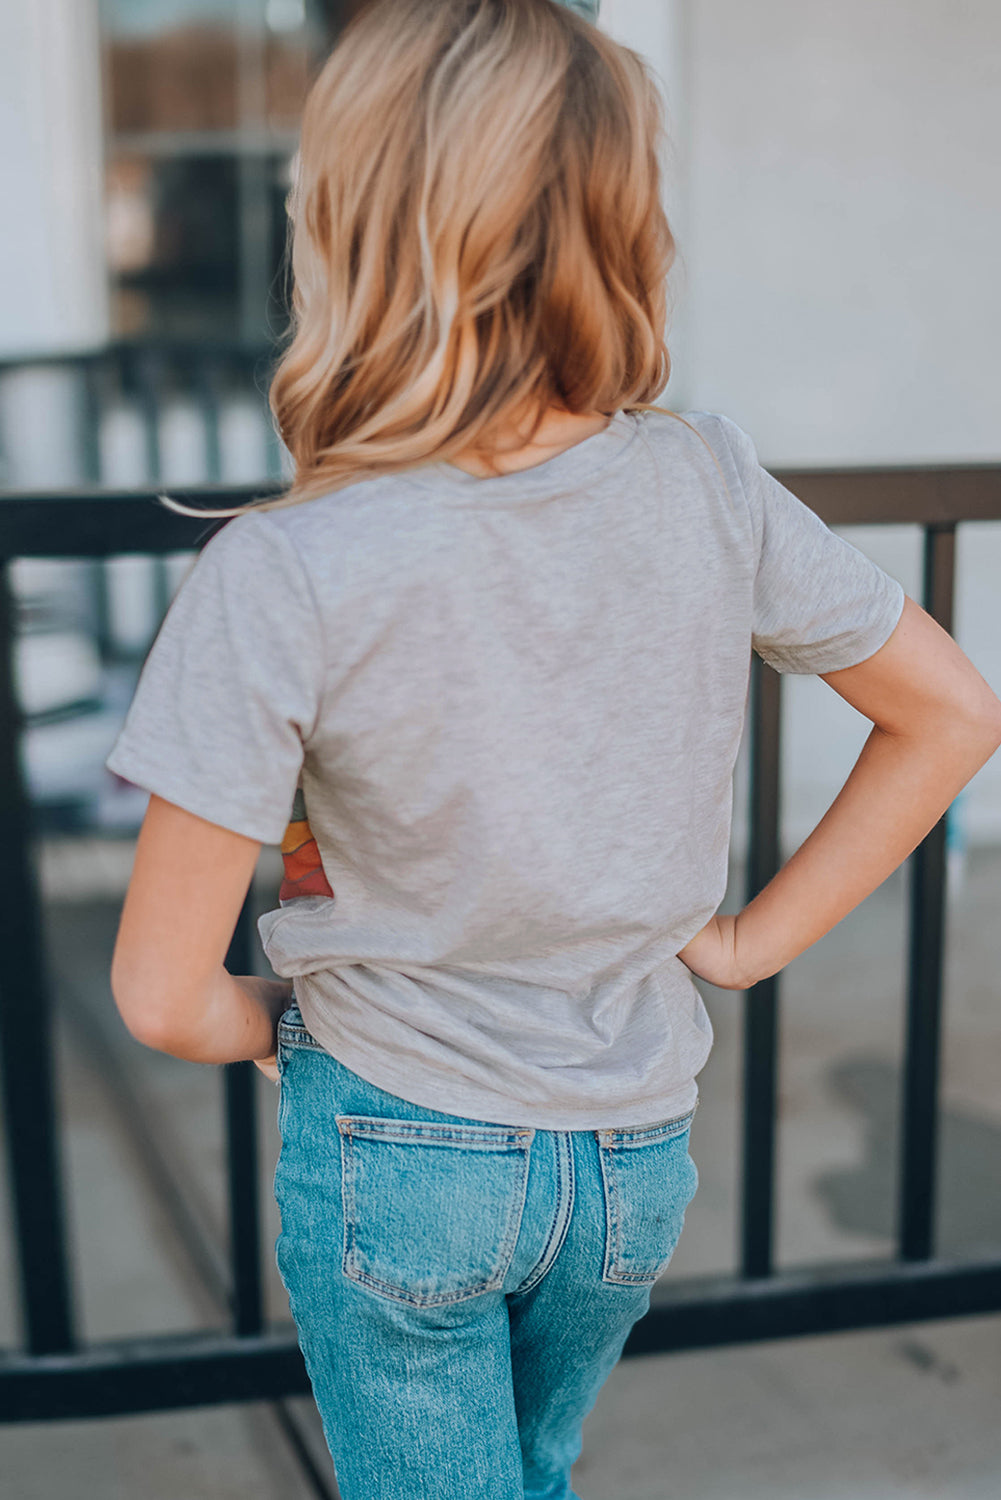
point(589, 458)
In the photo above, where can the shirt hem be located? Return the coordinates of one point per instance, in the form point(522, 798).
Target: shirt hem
point(470, 1102)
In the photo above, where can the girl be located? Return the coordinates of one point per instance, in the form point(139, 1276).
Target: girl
point(482, 671)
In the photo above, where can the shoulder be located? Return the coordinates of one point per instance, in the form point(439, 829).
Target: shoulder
point(699, 433)
point(250, 547)
point(346, 543)
point(296, 529)
point(727, 440)
point(341, 514)
point(714, 454)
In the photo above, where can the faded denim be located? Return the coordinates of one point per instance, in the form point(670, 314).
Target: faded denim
point(461, 1289)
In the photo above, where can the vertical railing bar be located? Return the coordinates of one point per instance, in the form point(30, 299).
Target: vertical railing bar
point(925, 964)
point(761, 1002)
point(240, 1080)
point(154, 378)
point(95, 375)
point(91, 374)
point(207, 381)
point(26, 1057)
point(149, 377)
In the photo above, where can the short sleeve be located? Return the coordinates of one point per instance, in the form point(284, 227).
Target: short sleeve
point(230, 689)
point(820, 604)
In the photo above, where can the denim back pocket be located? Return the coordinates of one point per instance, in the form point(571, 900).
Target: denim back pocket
point(649, 1180)
point(432, 1211)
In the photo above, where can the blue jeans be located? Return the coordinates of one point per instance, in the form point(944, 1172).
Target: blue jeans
point(461, 1289)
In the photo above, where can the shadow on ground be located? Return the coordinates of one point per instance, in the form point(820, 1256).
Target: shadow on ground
point(862, 1199)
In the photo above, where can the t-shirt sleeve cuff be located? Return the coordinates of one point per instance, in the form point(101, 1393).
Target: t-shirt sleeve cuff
point(842, 651)
point(219, 806)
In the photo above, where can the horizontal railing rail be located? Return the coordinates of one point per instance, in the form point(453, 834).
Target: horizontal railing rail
point(54, 1376)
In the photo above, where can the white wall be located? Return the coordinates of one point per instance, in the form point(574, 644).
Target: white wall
point(845, 219)
point(53, 274)
point(52, 265)
point(834, 186)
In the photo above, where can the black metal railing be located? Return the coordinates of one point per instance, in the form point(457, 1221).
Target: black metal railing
point(55, 1377)
point(145, 375)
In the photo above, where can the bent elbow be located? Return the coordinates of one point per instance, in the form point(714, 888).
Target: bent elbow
point(147, 1017)
point(142, 1022)
point(995, 724)
point(967, 716)
point(984, 725)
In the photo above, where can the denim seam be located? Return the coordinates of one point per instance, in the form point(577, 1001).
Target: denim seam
point(561, 1219)
point(540, 1267)
point(434, 1299)
point(642, 1134)
point(282, 1103)
point(436, 1132)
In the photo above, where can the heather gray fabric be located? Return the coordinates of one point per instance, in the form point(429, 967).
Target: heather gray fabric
point(512, 706)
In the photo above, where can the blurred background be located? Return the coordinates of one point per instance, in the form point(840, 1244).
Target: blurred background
point(832, 178)
point(829, 174)
point(146, 168)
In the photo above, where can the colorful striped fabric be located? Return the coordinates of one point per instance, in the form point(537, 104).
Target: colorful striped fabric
point(304, 874)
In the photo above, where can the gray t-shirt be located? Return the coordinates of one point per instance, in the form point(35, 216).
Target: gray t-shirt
point(493, 724)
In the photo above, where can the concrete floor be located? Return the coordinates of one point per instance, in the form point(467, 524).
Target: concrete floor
point(891, 1414)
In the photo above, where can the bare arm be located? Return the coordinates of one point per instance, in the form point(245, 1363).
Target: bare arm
point(189, 880)
point(935, 723)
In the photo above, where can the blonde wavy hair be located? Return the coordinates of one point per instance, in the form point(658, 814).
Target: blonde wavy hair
point(476, 235)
